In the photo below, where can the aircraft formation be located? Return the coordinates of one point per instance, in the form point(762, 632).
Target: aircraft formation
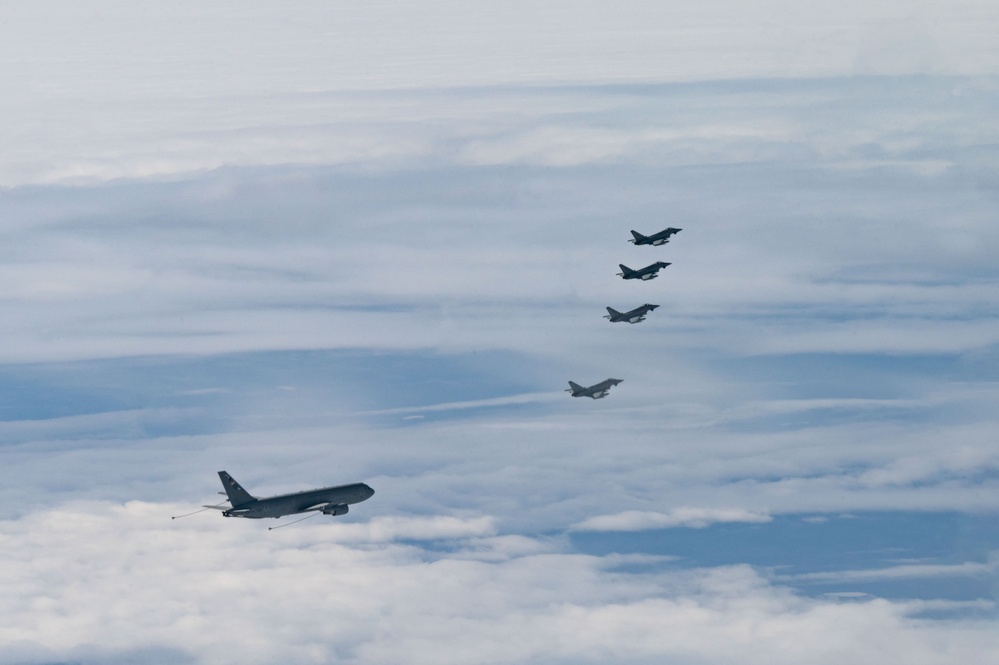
point(637, 315)
point(336, 500)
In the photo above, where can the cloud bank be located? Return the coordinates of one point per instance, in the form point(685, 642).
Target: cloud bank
point(348, 241)
point(698, 518)
point(90, 581)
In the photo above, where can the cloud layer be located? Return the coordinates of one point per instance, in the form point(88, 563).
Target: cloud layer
point(820, 216)
point(203, 87)
point(88, 581)
point(637, 520)
point(370, 242)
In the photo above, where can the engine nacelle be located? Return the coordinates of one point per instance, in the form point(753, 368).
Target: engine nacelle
point(335, 509)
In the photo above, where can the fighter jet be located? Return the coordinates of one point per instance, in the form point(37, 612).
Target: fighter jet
point(595, 391)
point(328, 500)
point(636, 315)
point(660, 238)
point(646, 273)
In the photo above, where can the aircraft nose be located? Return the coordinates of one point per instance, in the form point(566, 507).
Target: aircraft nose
point(368, 492)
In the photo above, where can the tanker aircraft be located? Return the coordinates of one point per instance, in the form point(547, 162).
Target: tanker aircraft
point(328, 500)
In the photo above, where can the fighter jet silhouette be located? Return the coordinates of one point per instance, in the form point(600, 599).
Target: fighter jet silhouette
point(636, 315)
point(657, 239)
point(595, 391)
point(645, 274)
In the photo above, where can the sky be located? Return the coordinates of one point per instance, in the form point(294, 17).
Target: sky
point(318, 243)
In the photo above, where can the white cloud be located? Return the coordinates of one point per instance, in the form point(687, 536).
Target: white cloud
point(686, 516)
point(387, 529)
point(467, 187)
point(967, 569)
point(802, 254)
point(76, 110)
point(685, 453)
point(94, 582)
point(527, 398)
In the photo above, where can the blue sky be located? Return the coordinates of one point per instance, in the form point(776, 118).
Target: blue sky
point(347, 250)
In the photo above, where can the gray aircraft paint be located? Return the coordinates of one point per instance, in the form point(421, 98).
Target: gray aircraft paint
point(636, 315)
point(656, 239)
point(596, 391)
point(645, 274)
point(328, 500)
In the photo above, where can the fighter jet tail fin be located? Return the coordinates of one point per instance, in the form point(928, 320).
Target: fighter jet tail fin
point(574, 387)
point(624, 269)
point(237, 495)
point(613, 312)
point(638, 237)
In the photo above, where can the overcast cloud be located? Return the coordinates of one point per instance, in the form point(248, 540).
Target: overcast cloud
point(333, 242)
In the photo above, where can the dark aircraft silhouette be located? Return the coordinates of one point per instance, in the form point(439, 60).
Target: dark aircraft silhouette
point(636, 315)
point(328, 500)
point(660, 238)
point(646, 273)
point(595, 391)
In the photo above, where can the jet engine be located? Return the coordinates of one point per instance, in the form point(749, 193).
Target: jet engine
point(335, 509)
